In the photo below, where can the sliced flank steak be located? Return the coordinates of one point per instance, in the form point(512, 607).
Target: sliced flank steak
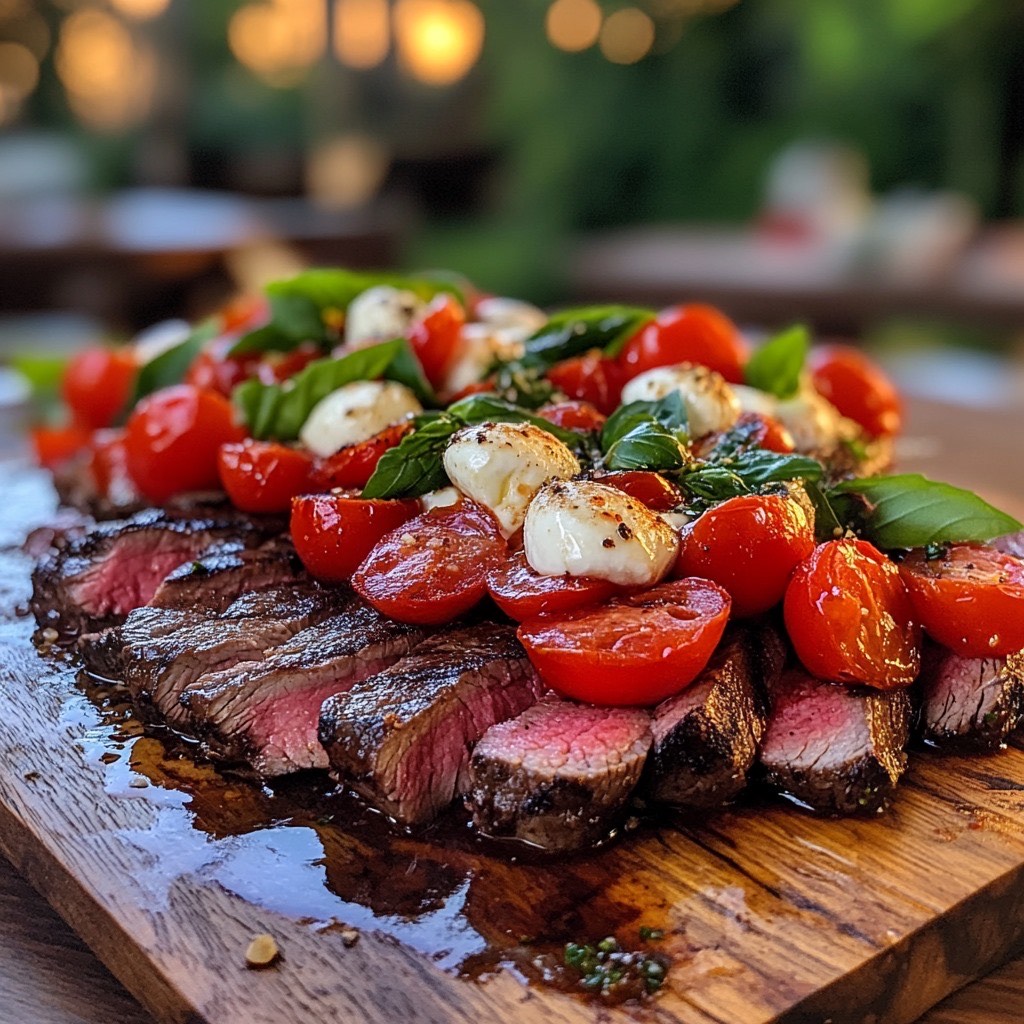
point(972, 703)
point(267, 712)
point(403, 737)
point(559, 776)
point(706, 737)
point(834, 748)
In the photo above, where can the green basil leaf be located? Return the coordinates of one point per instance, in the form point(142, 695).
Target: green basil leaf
point(758, 468)
point(827, 522)
point(524, 386)
point(776, 366)
point(414, 466)
point(279, 410)
point(171, 366)
point(669, 411)
point(488, 408)
point(299, 304)
point(910, 511)
point(647, 446)
point(711, 484)
point(572, 332)
point(405, 369)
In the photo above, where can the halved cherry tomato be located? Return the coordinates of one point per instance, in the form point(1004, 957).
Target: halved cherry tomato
point(435, 336)
point(687, 334)
point(657, 493)
point(263, 476)
point(353, 466)
point(108, 464)
point(97, 385)
point(54, 445)
point(858, 388)
point(434, 568)
point(635, 649)
point(590, 378)
point(851, 619)
point(971, 599)
point(214, 370)
point(573, 415)
point(751, 430)
point(521, 593)
point(173, 438)
point(750, 546)
point(333, 533)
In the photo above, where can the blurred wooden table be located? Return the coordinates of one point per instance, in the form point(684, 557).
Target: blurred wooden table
point(47, 976)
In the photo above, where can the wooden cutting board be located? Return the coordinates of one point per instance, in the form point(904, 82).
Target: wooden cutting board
point(167, 870)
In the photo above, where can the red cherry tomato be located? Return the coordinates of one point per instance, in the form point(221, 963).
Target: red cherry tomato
point(750, 546)
point(657, 493)
point(435, 336)
point(173, 439)
point(768, 433)
point(353, 466)
point(333, 533)
point(214, 370)
point(276, 367)
point(521, 593)
point(971, 599)
point(573, 415)
point(97, 385)
point(590, 378)
point(263, 476)
point(244, 313)
point(635, 649)
point(851, 619)
point(480, 387)
point(687, 334)
point(54, 445)
point(858, 388)
point(108, 464)
point(434, 568)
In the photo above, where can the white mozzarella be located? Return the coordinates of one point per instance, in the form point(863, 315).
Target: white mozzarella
point(503, 465)
point(159, 338)
point(815, 423)
point(355, 413)
point(443, 498)
point(585, 528)
point(511, 313)
point(380, 314)
point(711, 404)
point(478, 347)
point(755, 400)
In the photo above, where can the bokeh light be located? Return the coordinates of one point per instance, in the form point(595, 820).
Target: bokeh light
point(141, 10)
point(438, 41)
point(19, 73)
point(573, 25)
point(362, 32)
point(279, 41)
point(627, 36)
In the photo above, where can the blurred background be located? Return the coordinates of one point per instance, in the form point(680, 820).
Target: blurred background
point(856, 166)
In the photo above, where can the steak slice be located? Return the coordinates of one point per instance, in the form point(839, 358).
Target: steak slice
point(226, 570)
point(267, 713)
point(558, 776)
point(970, 702)
point(403, 737)
point(706, 737)
point(834, 748)
point(158, 670)
point(96, 579)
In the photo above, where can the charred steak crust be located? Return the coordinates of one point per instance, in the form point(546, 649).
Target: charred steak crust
point(706, 737)
point(558, 776)
point(833, 748)
point(267, 713)
point(403, 737)
point(970, 703)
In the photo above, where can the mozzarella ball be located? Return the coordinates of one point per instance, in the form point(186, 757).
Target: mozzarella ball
point(755, 400)
point(478, 347)
point(356, 412)
point(815, 423)
point(711, 404)
point(444, 498)
point(585, 528)
point(503, 465)
point(511, 313)
point(380, 314)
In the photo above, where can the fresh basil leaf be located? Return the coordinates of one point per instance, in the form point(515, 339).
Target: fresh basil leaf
point(910, 511)
point(647, 446)
point(524, 386)
point(171, 366)
point(572, 332)
point(405, 369)
point(299, 304)
point(776, 366)
point(279, 410)
point(488, 408)
point(758, 468)
point(827, 523)
point(414, 466)
point(709, 485)
point(669, 411)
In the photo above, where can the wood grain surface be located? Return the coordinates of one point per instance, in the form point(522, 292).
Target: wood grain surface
point(772, 914)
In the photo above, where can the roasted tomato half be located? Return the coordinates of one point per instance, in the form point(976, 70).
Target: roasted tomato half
point(590, 378)
point(522, 593)
point(353, 466)
point(263, 476)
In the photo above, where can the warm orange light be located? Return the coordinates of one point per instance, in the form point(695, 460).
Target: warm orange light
point(19, 74)
point(627, 36)
point(141, 10)
point(346, 171)
point(279, 40)
point(438, 40)
point(109, 80)
point(32, 30)
point(362, 32)
point(573, 25)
